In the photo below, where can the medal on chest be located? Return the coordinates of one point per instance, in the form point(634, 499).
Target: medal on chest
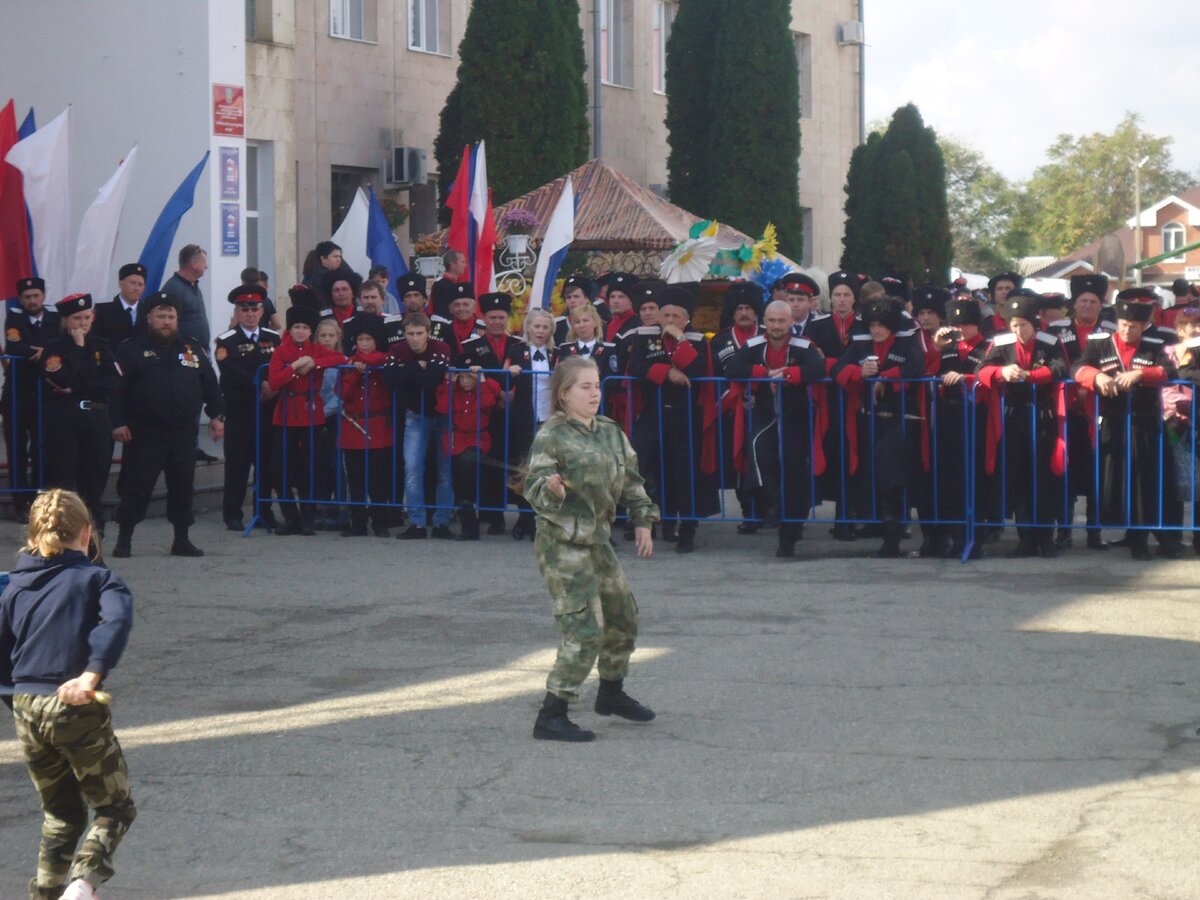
point(188, 357)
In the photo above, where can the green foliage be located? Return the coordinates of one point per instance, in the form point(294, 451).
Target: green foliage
point(754, 147)
point(989, 233)
point(521, 89)
point(896, 203)
point(1086, 189)
point(690, 50)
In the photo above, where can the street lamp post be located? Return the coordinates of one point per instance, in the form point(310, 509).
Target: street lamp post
point(1137, 217)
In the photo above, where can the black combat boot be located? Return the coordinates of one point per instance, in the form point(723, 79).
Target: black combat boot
point(553, 725)
point(469, 522)
point(124, 545)
point(890, 548)
point(685, 540)
point(611, 700)
point(181, 546)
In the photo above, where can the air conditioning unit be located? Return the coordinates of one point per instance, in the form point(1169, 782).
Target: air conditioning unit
point(851, 34)
point(409, 166)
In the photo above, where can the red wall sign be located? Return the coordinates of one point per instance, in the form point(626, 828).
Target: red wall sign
point(229, 110)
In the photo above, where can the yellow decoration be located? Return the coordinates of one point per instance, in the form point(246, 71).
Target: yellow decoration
point(765, 248)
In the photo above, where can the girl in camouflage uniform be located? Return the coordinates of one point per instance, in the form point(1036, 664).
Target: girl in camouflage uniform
point(580, 467)
point(64, 623)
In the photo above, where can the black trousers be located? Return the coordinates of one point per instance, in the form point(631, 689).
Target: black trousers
point(295, 478)
point(23, 440)
point(368, 477)
point(464, 473)
point(79, 452)
point(240, 447)
point(152, 451)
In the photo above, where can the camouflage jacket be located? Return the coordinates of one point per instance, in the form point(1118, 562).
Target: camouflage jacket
point(600, 469)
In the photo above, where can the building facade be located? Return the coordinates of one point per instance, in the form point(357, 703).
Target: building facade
point(341, 93)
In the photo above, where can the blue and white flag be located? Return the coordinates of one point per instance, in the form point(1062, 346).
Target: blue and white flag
point(559, 235)
point(381, 243)
point(162, 235)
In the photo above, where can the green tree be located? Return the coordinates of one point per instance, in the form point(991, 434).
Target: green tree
point(1086, 189)
point(690, 50)
point(754, 146)
point(861, 251)
point(521, 89)
point(988, 232)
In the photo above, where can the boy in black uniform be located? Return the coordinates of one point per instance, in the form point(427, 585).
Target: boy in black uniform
point(669, 434)
point(1127, 369)
point(1022, 369)
point(80, 375)
point(777, 454)
point(249, 403)
point(27, 331)
point(165, 380)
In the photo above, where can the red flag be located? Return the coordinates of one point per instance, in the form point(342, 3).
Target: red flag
point(15, 259)
point(485, 248)
point(459, 204)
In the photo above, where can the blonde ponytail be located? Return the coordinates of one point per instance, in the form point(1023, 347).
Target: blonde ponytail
point(56, 519)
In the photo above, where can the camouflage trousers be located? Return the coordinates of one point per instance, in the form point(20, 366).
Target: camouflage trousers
point(75, 763)
point(594, 609)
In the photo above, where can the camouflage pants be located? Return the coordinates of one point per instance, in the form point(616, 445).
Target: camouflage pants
point(75, 763)
point(594, 609)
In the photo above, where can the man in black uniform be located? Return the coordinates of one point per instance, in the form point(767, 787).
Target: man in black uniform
point(669, 431)
point(492, 351)
point(80, 377)
point(462, 324)
point(26, 333)
point(778, 451)
point(370, 316)
point(123, 317)
point(166, 379)
point(1127, 369)
point(249, 402)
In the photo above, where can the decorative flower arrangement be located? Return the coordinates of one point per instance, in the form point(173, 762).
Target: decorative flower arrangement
point(395, 212)
point(519, 221)
point(427, 246)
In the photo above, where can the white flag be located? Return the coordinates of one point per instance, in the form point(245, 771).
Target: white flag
point(44, 161)
point(98, 235)
point(559, 235)
point(351, 235)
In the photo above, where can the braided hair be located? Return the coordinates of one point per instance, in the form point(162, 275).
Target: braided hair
point(57, 518)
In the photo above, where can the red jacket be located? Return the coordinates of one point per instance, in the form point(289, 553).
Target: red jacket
point(470, 417)
point(300, 395)
point(366, 405)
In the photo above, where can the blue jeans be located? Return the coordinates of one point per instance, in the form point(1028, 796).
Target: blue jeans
point(419, 432)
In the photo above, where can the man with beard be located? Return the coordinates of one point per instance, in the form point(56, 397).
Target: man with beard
point(166, 379)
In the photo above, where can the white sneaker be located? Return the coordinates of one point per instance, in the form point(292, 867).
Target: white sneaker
point(80, 889)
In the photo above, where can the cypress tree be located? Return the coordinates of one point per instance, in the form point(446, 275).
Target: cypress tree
point(908, 133)
point(447, 149)
point(690, 104)
point(862, 247)
point(520, 88)
point(899, 217)
point(754, 149)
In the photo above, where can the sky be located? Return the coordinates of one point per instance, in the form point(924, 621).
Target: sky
point(1008, 78)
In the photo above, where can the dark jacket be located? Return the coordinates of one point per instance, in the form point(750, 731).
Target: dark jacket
point(59, 617)
point(74, 373)
point(164, 385)
point(21, 336)
point(114, 324)
point(417, 384)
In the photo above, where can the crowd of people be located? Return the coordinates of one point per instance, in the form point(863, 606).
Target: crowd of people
point(390, 406)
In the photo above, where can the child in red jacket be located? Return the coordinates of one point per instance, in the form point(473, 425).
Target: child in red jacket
point(468, 400)
point(295, 372)
point(366, 432)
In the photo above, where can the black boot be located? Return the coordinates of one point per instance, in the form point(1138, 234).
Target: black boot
point(181, 546)
point(611, 700)
point(1094, 540)
point(124, 545)
point(890, 549)
point(553, 725)
point(469, 523)
point(686, 540)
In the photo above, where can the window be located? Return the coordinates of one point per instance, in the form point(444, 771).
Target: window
point(616, 33)
point(1172, 239)
point(803, 44)
point(352, 19)
point(664, 18)
point(260, 20)
point(344, 182)
point(429, 26)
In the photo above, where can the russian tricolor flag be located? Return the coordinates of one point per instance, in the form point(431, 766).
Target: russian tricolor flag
point(560, 232)
point(472, 224)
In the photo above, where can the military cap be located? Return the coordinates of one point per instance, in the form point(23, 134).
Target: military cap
point(130, 269)
point(303, 295)
point(623, 282)
point(931, 297)
point(646, 292)
point(303, 315)
point(896, 286)
point(852, 280)
point(963, 312)
point(73, 303)
point(1142, 294)
point(1089, 284)
point(411, 284)
point(494, 300)
point(1133, 310)
point(32, 283)
point(744, 293)
point(582, 282)
point(1023, 304)
point(1017, 280)
point(247, 294)
point(677, 295)
point(797, 283)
